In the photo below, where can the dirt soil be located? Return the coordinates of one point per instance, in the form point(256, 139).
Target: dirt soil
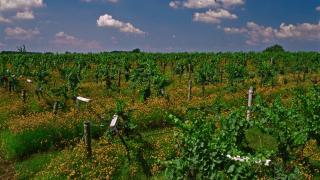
point(6, 170)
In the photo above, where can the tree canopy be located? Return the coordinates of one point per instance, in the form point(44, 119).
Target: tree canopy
point(274, 48)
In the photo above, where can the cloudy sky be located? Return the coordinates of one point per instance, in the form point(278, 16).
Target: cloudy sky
point(159, 25)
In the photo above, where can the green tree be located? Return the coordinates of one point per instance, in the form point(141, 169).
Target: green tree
point(274, 48)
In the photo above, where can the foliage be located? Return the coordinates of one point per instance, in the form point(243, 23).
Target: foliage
point(206, 73)
point(145, 76)
point(209, 129)
point(236, 73)
point(274, 133)
point(267, 73)
point(274, 49)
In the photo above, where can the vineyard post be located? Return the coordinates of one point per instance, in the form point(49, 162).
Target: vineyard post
point(113, 125)
point(119, 79)
point(55, 107)
point(87, 138)
point(81, 99)
point(190, 84)
point(10, 86)
point(78, 104)
point(164, 67)
point(23, 95)
point(250, 93)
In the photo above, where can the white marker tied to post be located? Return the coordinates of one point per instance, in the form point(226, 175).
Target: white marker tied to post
point(114, 121)
point(83, 99)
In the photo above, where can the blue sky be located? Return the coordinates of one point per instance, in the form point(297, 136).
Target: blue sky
point(159, 25)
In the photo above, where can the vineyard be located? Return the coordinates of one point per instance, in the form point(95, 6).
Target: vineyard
point(135, 115)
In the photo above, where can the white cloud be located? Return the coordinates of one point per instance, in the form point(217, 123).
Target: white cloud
point(19, 33)
point(228, 3)
point(234, 30)
point(6, 5)
point(318, 8)
point(66, 40)
point(22, 8)
point(260, 34)
point(214, 16)
point(217, 12)
point(111, 1)
point(175, 4)
point(301, 31)
point(107, 21)
point(198, 4)
point(61, 38)
point(4, 20)
point(25, 15)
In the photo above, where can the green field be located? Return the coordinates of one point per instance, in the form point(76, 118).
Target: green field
point(181, 115)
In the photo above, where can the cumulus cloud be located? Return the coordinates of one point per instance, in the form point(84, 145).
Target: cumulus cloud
point(234, 30)
point(61, 38)
point(214, 16)
point(25, 15)
point(22, 8)
point(217, 9)
point(6, 5)
point(89, 1)
point(228, 3)
point(258, 33)
point(175, 4)
point(198, 4)
point(66, 40)
point(4, 20)
point(301, 31)
point(19, 33)
point(108, 21)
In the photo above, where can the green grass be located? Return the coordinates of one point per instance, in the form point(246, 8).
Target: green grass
point(34, 107)
point(18, 146)
point(151, 126)
point(260, 141)
point(3, 119)
point(28, 169)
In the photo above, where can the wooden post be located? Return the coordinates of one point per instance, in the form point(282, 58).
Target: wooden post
point(78, 105)
point(10, 86)
point(55, 107)
point(126, 75)
point(190, 84)
point(190, 90)
point(23, 95)
point(250, 93)
point(189, 71)
point(119, 79)
point(87, 138)
point(163, 92)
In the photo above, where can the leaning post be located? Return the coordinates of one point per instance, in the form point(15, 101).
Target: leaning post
point(250, 93)
point(87, 138)
point(190, 84)
point(23, 95)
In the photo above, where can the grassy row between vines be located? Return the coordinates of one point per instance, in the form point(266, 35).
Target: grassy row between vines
point(31, 129)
